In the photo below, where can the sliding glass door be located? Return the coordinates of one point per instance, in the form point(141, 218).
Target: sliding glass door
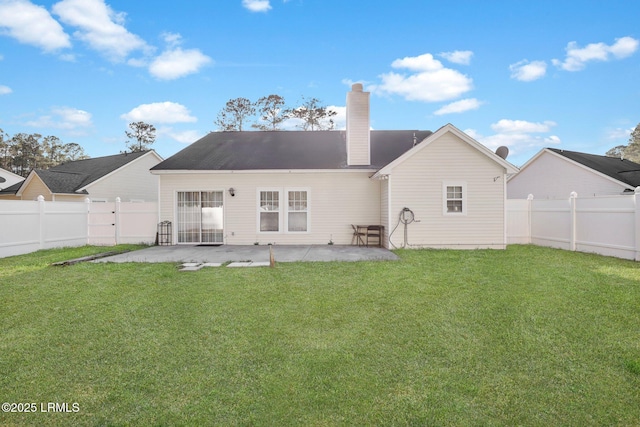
point(200, 217)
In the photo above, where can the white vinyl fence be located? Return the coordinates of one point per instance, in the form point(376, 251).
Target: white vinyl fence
point(27, 226)
point(607, 225)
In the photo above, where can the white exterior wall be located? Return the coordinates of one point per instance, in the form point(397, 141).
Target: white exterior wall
point(417, 183)
point(10, 178)
point(552, 177)
point(336, 200)
point(133, 181)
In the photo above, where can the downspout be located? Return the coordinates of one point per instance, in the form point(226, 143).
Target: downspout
point(505, 215)
point(388, 224)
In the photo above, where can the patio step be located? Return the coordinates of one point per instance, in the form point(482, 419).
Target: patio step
point(249, 264)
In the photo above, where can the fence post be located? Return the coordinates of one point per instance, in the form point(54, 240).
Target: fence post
point(529, 218)
point(87, 202)
point(117, 213)
point(572, 202)
point(41, 222)
point(636, 199)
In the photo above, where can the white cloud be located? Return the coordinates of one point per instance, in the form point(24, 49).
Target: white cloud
point(183, 137)
point(100, 27)
point(462, 57)
point(32, 24)
point(424, 62)
point(520, 126)
point(176, 63)
point(160, 112)
point(172, 39)
point(619, 133)
point(519, 142)
point(431, 82)
point(518, 135)
point(526, 71)
point(72, 118)
point(256, 5)
point(578, 57)
point(340, 119)
point(5, 90)
point(67, 118)
point(459, 106)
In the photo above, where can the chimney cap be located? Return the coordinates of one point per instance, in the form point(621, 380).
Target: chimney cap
point(357, 87)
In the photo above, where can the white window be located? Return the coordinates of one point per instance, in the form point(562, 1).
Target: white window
point(454, 198)
point(283, 209)
point(297, 211)
point(269, 211)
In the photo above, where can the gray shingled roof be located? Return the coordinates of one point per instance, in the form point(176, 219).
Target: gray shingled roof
point(624, 171)
point(286, 150)
point(71, 177)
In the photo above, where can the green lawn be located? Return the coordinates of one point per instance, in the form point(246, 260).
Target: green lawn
point(526, 336)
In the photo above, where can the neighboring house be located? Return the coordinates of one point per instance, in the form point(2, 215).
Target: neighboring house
point(554, 174)
point(101, 179)
point(7, 179)
point(297, 187)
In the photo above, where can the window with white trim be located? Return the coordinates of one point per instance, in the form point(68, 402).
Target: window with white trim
point(297, 211)
point(269, 211)
point(284, 209)
point(455, 198)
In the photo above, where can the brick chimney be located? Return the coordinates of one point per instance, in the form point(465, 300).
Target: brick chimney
point(358, 148)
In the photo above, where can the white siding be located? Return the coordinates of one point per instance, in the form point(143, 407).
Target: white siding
point(552, 177)
point(10, 178)
point(337, 200)
point(417, 183)
point(131, 182)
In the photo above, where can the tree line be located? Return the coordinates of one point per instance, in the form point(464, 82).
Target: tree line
point(269, 113)
point(23, 152)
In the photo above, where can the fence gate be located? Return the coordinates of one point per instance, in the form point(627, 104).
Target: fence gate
point(102, 223)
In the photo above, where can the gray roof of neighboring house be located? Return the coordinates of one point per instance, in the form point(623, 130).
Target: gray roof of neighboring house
point(261, 150)
point(624, 171)
point(71, 177)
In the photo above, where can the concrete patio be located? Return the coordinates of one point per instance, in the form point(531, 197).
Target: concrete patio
point(254, 253)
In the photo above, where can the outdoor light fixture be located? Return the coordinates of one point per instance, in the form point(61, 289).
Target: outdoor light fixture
point(232, 191)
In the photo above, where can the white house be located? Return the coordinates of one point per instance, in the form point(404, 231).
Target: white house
point(7, 178)
point(554, 174)
point(440, 189)
point(101, 179)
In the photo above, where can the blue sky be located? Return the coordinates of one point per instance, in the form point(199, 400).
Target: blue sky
point(525, 74)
